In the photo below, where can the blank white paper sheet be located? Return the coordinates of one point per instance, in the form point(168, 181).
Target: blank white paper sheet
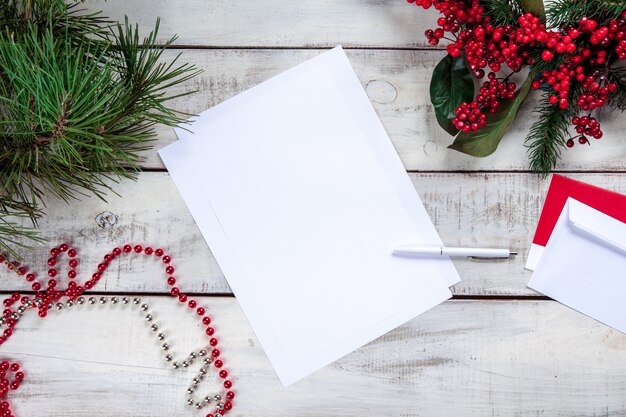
point(301, 197)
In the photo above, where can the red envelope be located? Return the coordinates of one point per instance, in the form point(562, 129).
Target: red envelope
point(608, 202)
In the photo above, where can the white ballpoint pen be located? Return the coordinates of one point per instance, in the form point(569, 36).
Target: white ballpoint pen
point(418, 251)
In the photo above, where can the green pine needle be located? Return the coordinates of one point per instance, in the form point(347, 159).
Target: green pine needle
point(617, 99)
point(548, 135)
point(80, 97)
point(569, 12)
point(502, 12)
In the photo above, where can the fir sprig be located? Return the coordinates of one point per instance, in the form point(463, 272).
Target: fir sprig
point(79, 100)
point(502, 12)
point(569, 12)
point(548, 135)
point(539, 65)
point(617, 99)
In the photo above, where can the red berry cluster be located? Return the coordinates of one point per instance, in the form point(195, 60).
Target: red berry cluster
point(620, 49)
point(472, 116)
point(596, 91)
point(586, 126)
point(559, 80)
point(433, 36)
point(586, 66)
point(492, 91)
point(485, 44)
point(469, 117)
point(585, 51)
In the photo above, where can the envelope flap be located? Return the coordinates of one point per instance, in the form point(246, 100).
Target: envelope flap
point(597, 224)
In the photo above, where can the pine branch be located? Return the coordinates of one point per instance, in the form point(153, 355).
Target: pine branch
point(502, 12)
point(114, 106)
point(539, 65)
point(548, 135)
point(617, 99)
point(80, 98)
point(16, 15)
point(569, 12)
point(13, 236)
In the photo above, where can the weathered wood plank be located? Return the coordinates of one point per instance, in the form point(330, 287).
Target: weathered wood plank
point(499, 210)
point(279, 23)
point(398, 84)
point(509, 358)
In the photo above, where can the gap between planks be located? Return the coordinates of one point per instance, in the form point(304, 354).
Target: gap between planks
point(311, 47)
point(459, 297)
point(458, 171)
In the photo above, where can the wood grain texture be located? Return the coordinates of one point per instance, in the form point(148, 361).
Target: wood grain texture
point(463, 358)
point(397, 83)
point(522, 358)
point(499, 210)
point(279, 23)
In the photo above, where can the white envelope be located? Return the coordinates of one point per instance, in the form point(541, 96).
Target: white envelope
point(584, 264)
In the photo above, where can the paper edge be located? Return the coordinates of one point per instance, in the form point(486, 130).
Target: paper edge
point(582, 216)
point(534, 254)
point(404, 317)
point(289, 378)
point(389, 160)
point(562, 221)
point(565, 221)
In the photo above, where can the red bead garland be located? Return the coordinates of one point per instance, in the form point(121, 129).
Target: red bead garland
point(44, 299)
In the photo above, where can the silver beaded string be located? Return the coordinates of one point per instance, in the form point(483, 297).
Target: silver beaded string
point(166, 347)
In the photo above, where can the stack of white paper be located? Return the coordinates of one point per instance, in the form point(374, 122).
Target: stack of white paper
point(301, 197)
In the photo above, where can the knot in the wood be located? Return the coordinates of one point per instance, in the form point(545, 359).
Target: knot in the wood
point(381, 92)
point(430, 147)
point(106, 219)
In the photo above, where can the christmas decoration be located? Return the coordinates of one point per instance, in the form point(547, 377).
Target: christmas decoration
point(79, 98)
point(54, 299)
point(573, 52)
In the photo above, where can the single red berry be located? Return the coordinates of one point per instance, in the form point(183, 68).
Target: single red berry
point(547, 55)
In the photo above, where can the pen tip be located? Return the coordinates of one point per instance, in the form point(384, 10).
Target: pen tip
point(512, 253)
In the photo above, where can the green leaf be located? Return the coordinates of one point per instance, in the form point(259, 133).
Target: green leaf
point(484, 141)
point(535, 7)
point(450, 86)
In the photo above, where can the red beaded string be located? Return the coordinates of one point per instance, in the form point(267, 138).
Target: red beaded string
point(44, 299)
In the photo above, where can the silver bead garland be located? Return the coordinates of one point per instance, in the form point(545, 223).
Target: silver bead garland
point(199, 402)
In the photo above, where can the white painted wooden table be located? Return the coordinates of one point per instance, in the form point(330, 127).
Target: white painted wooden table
point(496, 349)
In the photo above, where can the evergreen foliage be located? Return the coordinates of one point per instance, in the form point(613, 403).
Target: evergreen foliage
point(503, 12)
point(550, 132)
point(80, 97)
point(618, 99)
point(566, 12)
point(548, 135)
